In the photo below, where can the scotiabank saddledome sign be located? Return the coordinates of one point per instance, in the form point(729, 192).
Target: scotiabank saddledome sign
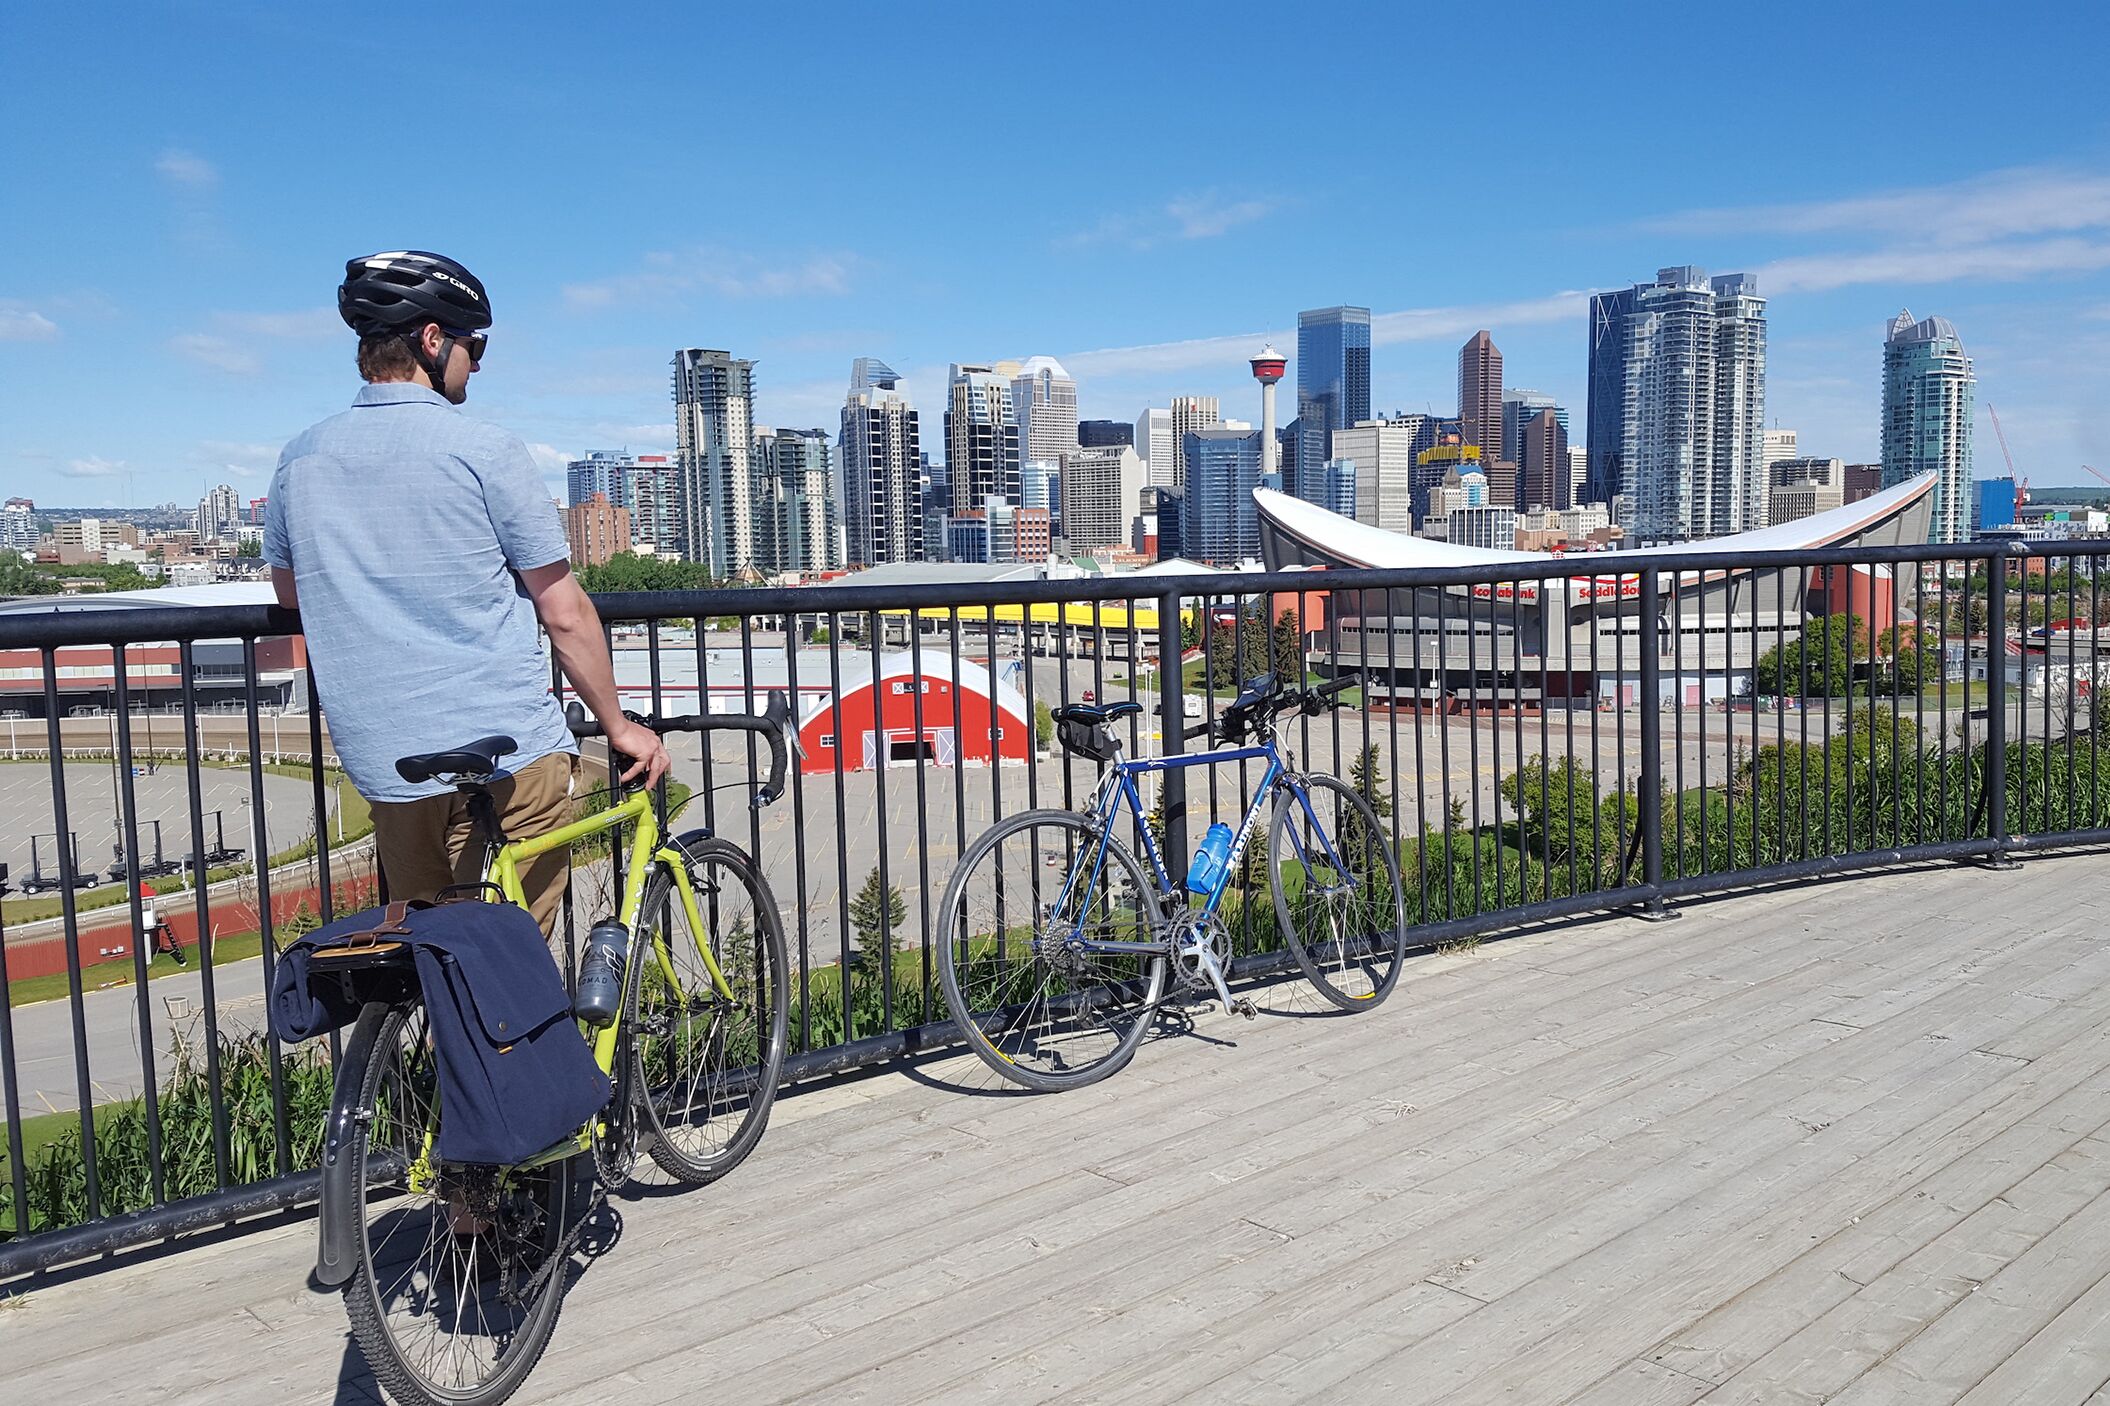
point(1580, 588)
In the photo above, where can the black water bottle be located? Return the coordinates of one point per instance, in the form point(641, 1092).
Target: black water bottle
point(601, 975)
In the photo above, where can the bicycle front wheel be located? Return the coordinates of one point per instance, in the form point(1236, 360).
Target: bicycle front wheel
point(461, 1269)
point(706, 1049)
point(1028, 994)
point(1337, 892)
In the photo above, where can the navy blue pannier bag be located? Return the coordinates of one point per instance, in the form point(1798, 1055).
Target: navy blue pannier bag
point(515, 1076)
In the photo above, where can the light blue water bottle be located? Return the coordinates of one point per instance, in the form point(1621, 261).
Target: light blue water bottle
point(1206, 874)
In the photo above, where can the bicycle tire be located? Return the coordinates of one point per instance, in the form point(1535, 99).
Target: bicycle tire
point(1354, 972)
point(994, 999)
point(698, 1140)
point(385, 1319)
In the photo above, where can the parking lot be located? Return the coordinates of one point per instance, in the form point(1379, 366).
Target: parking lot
point(162, 794)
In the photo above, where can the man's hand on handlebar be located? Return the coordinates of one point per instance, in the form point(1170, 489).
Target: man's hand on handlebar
point(648, 755)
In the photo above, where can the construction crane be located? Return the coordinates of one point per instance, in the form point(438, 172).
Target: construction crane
point(2097, 472)
point(2021, 483)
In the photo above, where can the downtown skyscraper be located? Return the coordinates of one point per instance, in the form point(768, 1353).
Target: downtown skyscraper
point(981, 438)
point(795, 513)
point(1190, 414)
point(1333, 380)
point(1044, 400)
point(1927, 409)
point(713, 447)
point(1480, 395)
point(1677, 404)
point(882, 468)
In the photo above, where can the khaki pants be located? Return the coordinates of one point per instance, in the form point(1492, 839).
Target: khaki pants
point(428, 844)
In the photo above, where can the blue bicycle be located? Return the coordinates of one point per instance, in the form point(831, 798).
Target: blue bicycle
point(1057, 946)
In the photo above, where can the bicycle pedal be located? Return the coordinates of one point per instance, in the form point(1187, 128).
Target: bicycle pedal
point(1244, 1006)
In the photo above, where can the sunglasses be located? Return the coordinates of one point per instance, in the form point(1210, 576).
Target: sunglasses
point(472, 342)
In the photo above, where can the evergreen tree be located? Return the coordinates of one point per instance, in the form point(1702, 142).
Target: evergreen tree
point(874, 914)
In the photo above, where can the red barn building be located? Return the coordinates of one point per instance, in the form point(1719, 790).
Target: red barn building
point(874, 719)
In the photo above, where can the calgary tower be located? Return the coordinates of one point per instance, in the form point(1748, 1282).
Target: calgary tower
point(1267, 369)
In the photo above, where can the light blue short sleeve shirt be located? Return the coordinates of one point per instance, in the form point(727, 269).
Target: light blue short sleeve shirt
point(405, 524)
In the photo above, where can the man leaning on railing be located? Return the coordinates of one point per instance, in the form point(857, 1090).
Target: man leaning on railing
point(421, 550)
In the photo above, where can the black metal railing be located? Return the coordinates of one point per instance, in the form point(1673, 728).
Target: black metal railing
point(1545, 739)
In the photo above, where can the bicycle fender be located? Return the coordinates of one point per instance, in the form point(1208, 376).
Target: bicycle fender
point(337, 1250)
point(689, 837)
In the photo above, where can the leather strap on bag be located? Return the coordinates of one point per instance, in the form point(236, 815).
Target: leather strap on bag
point(391, 923)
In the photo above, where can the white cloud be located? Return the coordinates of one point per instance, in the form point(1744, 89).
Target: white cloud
point(186, 169)
point(20, 324)
point(2021, 200)
point(1998, 263)
point(240, 458)
point(550, 459)
point(719, 271)
point(93, 466)
point(216, 352)
point(1199, 216)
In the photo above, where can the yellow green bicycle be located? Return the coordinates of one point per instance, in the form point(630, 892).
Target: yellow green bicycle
point(453, 1274)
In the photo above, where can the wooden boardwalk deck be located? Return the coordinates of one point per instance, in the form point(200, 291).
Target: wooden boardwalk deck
point(1845, 1143)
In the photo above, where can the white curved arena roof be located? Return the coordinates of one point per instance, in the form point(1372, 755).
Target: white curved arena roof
point(1363, 545)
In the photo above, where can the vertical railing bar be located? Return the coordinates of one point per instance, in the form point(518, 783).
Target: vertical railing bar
point(1596, 619)
point(1443, 747)
point(1750, 586)
point(1780, 714)
point(748, 704)
point(1650, 810)
point(706, 752)
point(801, 900)
point(2068, 693)
point(260, 865)
point(1173, 795)
point(325, 895)
point(1061, 650)
point(1678, 663)
point(1619, 816)
point(2095, 683)
point(659, 710)
point(842, 828)
point(1399, 801)
point(11, 1091)
point(1176, 860)
point(1567, 629)
point(923, 764)
point(1516, 690)
point(882, 757)
point(128, 814)
point(68, 867)
point(1472, 742)
point(1544, 599)
point(202, 907)
point(1494, 734)
point(1996, 704)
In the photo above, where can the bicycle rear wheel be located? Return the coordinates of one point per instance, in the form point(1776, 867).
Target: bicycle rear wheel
point(1035, 1007)
point(461, 1270)
point(1337, 892)
point(704, 1062)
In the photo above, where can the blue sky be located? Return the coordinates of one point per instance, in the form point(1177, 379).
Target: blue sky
point(1141, 191)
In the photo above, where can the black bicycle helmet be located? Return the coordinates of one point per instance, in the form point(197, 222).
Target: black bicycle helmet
point(403, 290)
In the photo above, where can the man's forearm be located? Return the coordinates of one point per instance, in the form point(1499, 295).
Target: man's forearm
point(582, 652)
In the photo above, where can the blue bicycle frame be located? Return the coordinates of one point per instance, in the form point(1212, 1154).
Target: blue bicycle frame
point(1119, 788)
